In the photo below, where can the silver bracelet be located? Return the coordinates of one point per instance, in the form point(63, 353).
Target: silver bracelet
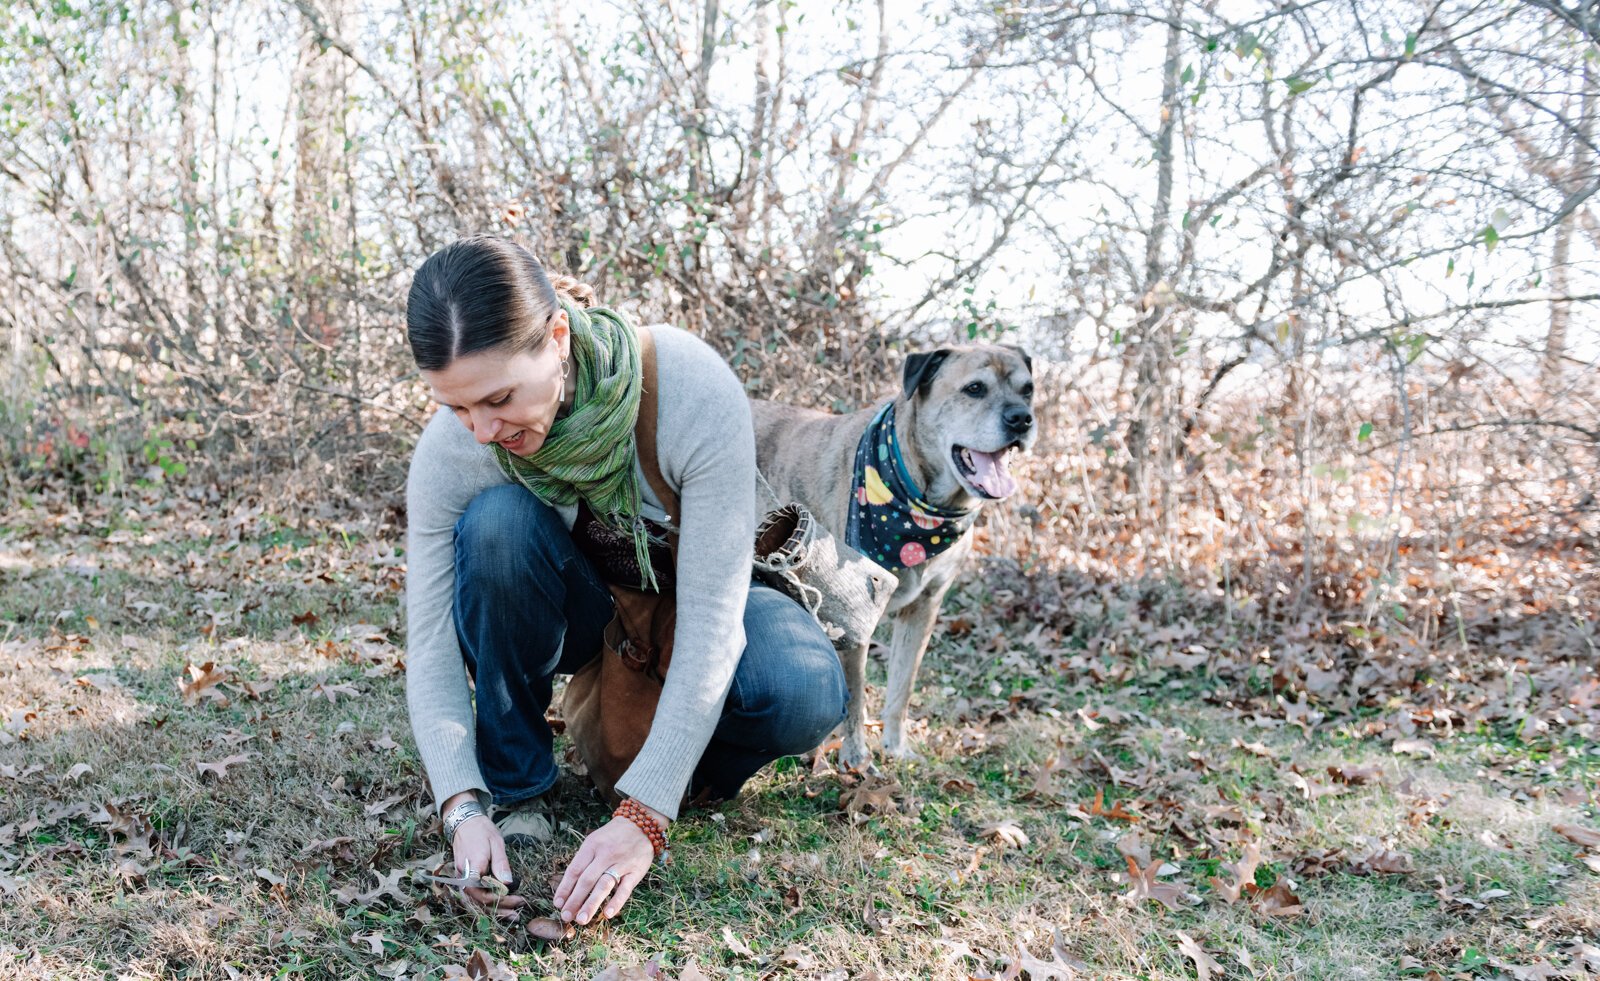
point(459, 815)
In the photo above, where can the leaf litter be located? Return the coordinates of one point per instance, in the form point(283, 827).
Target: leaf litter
point(1319, 678)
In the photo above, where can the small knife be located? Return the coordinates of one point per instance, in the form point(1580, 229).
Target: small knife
point(468, 882)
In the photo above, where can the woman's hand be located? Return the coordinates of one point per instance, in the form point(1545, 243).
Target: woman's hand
point(479, 849)
point(611, 862)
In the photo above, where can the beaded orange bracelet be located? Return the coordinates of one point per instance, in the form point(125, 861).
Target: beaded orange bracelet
point(635, 812)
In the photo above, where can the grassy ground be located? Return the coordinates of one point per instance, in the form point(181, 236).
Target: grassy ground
point(130, 845)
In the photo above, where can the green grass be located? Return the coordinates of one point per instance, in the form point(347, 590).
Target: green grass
point(802, 885)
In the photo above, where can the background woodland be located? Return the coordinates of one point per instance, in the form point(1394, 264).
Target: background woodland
point(1310, 290)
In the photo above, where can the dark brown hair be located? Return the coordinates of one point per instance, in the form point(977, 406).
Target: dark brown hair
point(481, 293)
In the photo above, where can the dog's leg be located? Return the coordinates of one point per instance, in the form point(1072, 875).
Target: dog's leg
point(853, 751)
point(912, 627)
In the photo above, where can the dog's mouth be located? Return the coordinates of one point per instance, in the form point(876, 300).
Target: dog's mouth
point(987, 475)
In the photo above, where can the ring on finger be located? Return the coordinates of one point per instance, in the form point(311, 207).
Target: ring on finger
point(616, 880)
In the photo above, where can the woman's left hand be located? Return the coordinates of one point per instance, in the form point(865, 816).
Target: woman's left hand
point(611, 862)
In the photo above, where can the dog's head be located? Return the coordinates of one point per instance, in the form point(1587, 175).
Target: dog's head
point(973, 406)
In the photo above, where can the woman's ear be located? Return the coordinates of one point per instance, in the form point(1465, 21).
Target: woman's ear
point(561, 332)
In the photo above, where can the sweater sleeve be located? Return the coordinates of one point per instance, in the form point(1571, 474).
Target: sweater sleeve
point(448, 469)
point(706, 444)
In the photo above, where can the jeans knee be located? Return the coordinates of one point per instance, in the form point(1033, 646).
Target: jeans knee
point(497, 533)
point(823, 698)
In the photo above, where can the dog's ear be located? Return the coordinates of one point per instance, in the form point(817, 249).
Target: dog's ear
point(920, 369)
point(1026, 360)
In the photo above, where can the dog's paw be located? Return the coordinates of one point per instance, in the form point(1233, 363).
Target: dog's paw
point(899, 749)
point(854, 753)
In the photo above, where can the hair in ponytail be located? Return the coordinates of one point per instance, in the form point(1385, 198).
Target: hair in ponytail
point(482, 293)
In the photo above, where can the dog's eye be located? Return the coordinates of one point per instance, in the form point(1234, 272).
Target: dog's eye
point(976, 389)
point(1027, 391)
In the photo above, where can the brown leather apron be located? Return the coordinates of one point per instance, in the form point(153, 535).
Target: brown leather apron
point(610, 702)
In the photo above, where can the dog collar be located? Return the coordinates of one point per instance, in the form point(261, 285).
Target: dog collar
point(889, 521)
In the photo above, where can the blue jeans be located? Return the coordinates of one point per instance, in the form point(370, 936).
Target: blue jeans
point(529, 606)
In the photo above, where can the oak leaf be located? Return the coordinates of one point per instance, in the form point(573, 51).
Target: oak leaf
point(373, 940)
point(1146, 885)
point(1243, 873)
point(1054, 969)
point(735, 944)
point(1098, 809)
point(1203, 962)
point(202, 683)
point(1382, 860)
point(1278, 901)
point(332, 692)
point(481, 967)
point(219, 769)
point(864, 800)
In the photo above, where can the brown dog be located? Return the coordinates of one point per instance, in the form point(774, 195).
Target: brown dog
point(946, 437)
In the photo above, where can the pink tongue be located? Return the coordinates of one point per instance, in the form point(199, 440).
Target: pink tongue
point(991, 474)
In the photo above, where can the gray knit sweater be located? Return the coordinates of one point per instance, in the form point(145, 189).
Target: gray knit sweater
point(706, 448)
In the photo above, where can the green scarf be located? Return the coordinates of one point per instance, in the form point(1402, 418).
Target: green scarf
point(590, 453)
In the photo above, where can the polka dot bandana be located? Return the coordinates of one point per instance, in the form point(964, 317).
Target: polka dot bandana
point(889, 521)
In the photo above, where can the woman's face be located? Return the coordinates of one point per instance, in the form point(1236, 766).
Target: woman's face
point(508, 399)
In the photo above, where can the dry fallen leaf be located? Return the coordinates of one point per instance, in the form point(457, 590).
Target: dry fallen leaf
point(1577, 834)
point(1255, 748)
point(377, 808)
point(691, 972)
point(1054, 969)
point(1312, 791)
point(1203, 963)
point(871, 919)
point(1006, 833)
point(735, 945)
point(1412, 747)
point(862, 801)
point(135, 828)
point(1356, 775)
point(338, 847)
point(1278, 901)
point(219, 769)
point(1146, 886)
point(332, 692)
point(1243, 873)
point(373, 940)
point(550, 929)
point(1383, 860)
point(797, 957)
point(481, 968)
point(388, 885)
point(1098, 809)
point(1135, 847)
point(202, 684)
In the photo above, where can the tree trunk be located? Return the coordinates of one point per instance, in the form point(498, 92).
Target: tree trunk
point(1150, 434)
point(326, 345)
point(1555, 342)
point(320, 241)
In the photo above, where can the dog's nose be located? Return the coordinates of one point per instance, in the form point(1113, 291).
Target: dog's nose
point(1018, 419)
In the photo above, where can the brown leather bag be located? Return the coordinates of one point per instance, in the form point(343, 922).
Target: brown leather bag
point(610, 702)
